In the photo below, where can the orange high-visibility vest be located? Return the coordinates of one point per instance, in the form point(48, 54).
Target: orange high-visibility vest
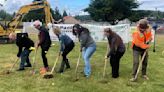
point(140, 39)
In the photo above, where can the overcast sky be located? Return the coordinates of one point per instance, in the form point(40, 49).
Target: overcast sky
point(75, 7)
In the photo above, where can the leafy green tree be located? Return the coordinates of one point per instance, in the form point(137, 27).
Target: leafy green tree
point(111, 10)
point(35, 15)
point(57, 14)
point(40, 15)
point(5, 16)
point(83, 17)
point(65, 13)
point(138, 14)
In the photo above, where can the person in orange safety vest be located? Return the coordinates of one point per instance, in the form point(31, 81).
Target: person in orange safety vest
point(140, 42)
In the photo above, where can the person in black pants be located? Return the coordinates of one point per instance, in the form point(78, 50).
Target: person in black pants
point(117, 50)
point(22, 41)
point(44, 42)
point(66, 45)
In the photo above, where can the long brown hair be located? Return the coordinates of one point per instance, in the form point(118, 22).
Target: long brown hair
point(112, 34)
point(80, 29)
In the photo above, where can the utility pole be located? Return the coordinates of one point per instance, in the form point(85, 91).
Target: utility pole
point(155, 26)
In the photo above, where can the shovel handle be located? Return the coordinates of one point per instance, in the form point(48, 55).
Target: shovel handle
point(105, 61)
point(34, 58)
point(78, 61)
point(57, 59)
point(14, 63)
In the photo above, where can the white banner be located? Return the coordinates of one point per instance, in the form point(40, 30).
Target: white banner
point(29, 28)
point(97, 32)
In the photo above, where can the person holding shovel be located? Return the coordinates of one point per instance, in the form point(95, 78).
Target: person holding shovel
point(117, 50)
point(44, 43)
point(66, 46)
point(88, 46)
point(140, 43)
point(24, 44)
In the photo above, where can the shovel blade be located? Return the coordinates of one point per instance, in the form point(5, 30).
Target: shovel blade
point(48, 75)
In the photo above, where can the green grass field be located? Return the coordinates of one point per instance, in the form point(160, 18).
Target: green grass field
point(25, 82)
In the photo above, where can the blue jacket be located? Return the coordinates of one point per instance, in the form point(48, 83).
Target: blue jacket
point(65, 40)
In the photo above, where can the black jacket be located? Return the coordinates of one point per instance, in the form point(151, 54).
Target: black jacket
point(112, 43)
point(24, 42)
point(44, 38)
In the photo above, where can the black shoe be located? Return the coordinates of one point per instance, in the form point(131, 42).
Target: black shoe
point(82, 72)
point(116, 76)
point(28, 65)
point(60, 71)
point(20, 69)
point(68, 68)
point(67, 64)
point(86, 76)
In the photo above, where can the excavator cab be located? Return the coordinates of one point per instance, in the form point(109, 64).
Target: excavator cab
point(13, 24)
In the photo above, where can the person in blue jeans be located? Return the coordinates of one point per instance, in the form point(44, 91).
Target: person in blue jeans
point(88, 46)
point(66, 46)
point(24, 44)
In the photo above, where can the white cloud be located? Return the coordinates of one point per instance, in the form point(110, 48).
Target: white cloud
point(83, 13)
point(14, 5)
point(151, 4)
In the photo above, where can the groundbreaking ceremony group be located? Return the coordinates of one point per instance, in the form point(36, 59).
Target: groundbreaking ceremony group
point(141, 38)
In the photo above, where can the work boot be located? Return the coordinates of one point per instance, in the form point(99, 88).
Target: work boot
point(20, 69)
point(145, 77)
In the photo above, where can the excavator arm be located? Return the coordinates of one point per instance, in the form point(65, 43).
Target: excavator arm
point(26, 9)
point(12, 25)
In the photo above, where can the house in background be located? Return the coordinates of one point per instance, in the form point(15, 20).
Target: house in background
point(70, 20)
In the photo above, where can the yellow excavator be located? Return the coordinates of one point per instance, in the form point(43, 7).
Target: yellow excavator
point(13, 24)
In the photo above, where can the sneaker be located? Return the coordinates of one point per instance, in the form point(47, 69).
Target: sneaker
point(133, 79)
point(43, 71)
point(145, 77)
point(86, 76)
point(20, 69)
point(47, 68)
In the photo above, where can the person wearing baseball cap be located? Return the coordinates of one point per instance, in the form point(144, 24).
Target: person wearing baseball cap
point(140, 43)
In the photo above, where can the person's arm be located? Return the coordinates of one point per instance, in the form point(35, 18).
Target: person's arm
point(62, 46)
point(83, 40)
point(19, 51)
point(150, 38)
point(139, 43)
point(112, 47)
point(41, 38)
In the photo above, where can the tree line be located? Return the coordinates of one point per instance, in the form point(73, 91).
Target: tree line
point(33, 15)
point(99, 10)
